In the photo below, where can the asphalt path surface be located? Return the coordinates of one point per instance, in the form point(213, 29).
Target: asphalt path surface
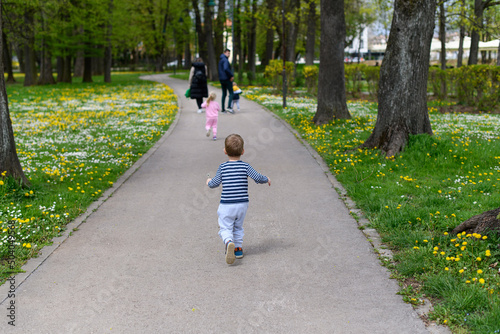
point(147, 257)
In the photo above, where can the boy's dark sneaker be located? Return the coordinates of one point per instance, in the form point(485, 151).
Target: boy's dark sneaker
point(230, 253)
point(238, 252)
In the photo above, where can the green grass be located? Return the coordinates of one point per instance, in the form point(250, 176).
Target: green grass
point(415, 199)
point(73, 142)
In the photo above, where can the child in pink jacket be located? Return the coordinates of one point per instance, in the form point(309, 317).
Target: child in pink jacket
point(212, 109)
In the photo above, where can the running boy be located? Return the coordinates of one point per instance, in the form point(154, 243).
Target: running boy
point(233, 175)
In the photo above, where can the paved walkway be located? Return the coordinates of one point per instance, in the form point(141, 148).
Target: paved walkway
point(149, 259)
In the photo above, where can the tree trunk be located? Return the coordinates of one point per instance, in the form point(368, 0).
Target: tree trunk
point(202, 40)
point(474, 38)
point(187, 43)
point(220, 23)
point(311, 32)
point(270, 28)
point(30, 74)
point(498, 55)
point(59, 68)
point(240, 63)
point(402, 108)
point(212, 60)
point(252, 43)
point(292, 30)
point(64, 69)
point(87, 69)
point(67, 75)
point(488, 221)
point(108, 62)
point(46, 76)
point(7, 58)
point(442, 37)
point(331, 81)
point(79, 60)
point(108, 56)
point(29, 52)
point(19, 50)
point(9, 160)
point(461, 46)
point(187, 53)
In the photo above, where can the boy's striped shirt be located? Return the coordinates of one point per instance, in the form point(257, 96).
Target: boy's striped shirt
point(234, 178)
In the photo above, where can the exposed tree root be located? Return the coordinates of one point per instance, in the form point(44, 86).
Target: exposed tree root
point(485, 222)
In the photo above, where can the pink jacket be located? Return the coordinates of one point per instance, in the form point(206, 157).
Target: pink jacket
point(212, 110)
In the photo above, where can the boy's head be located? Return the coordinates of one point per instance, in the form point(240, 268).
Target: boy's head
point(234, 83)
point(233, 145)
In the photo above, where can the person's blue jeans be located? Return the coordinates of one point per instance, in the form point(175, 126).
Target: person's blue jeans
point(226, 85)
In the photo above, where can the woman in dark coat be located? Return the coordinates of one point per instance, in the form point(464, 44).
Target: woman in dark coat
point(198, 82)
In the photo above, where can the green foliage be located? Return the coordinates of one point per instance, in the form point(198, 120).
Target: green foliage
point(372, 77)
point(274, 73)
point(354, 78)
point(479, 86)
point(474, 85)
point(436, 78)
point(311, 75)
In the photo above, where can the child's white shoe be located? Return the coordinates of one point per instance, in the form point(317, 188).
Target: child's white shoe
point(208, 132)
point(230, 257)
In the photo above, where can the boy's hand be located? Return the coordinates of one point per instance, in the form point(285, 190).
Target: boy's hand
point(208, 180)
point(269, 181)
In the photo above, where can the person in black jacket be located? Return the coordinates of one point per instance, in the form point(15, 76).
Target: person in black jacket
point(226, 78)
point(198, 82)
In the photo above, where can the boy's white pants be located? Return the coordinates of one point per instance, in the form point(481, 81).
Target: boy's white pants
point(231, 217)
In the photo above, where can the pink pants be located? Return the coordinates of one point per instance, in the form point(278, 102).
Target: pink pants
point(212, 123)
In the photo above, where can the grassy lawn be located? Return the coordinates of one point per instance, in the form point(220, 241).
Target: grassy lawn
point(417, 198)
point(73, 141)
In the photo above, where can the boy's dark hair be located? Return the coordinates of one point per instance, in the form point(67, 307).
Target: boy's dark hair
point(227, 50)
point(234, 145)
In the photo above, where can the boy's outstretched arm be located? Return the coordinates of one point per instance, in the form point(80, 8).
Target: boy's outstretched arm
point(216, 180)
point(268, 181)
